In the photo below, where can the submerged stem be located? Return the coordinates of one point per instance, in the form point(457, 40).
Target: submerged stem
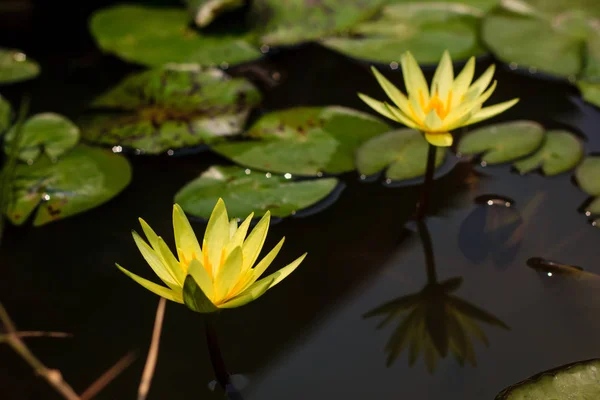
point(216, 359)
point(428, 250)
point(425, 191)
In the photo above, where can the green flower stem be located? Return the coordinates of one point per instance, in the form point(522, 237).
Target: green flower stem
point(216, 359)
point(422, 204)
point(428, 250)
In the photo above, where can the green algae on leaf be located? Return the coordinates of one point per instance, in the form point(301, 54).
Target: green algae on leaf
point(403, 152)
point(6, 115)
point(588, 175)
point(155, 36)
point(503, 142)
point(205, 11)
point(50, 133)
point(174, 106)
point(81, 179)
point(560, 152)
point(574, 381)
point(15, 66)
point(304, 140)
point(425, 29)
point(557, 37)
point(294, 21)
point(246, 191)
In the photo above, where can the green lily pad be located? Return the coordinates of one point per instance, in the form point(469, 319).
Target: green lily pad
point(425, 29)
point(560, 152)
point(175, 106)
point(6, 114)
point(48, 132)
point(594, 206)
point(503, 142)
point(304, 140)
point(579, 381)
point(82, 179)
point(294, 21)
point(403, 152)
point(246, 191)
point(588, 176)
point(205, 11)
point(155, 36)
point(558, 37)
point(15, 66)
point(483, 5)
point(590, 92)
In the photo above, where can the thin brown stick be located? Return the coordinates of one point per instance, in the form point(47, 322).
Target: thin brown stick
point(153, 352)
point(36, 334)
point(52, 376)
point(108, 376)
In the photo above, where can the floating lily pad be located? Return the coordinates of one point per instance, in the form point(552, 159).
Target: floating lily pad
point(559, 37)
point(15, 66)
point(294, 21)
point(155, 36)
point(560, 152)
point(304, 140)
point(246, 191)
point(425, 29)
point(82, 179)
point(574, 381)
point(175, 106)
point(590, 92)
point(503, 142)
point(6, 114)
point(483, 5)
point(205, 11)
point(594, 206)
point(588, 176)
point(48, 132)
point(403, 152)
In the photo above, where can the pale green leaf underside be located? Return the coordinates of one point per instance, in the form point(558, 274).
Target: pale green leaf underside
point(403, 152)
point(560, 152)
point(245, 193)
point(503, 142)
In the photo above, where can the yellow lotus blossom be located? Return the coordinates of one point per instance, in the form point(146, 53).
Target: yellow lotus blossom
point(449, 104)
point(221, 273)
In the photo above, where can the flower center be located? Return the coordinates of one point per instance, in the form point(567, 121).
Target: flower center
point(435, 103)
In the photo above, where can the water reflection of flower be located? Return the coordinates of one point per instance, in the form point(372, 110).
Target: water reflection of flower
point(434, 320)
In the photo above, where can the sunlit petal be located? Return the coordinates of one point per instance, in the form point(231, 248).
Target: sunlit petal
point(491, 111)
point(195, 298)
point(240, 234)
point(170, 261)
point(443, 78)
point(283, 272)
point(414, 80)
point(155, 261)
point(401, 117)
point(254, 243)
point(216, 236)
point(377, 106)
point(480, 84)
point(399, 99)
point(153, 287)
point(439, 139)
point(185, 238)
point(432, 122)
point(250, 294)
point(229, 274)
point(233, 225)
point(198, 272)
point(462, 82)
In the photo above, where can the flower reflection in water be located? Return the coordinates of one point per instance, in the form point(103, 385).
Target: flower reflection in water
point(434, 321)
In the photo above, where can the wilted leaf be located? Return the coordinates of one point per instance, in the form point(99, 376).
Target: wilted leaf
point(245, 192)
point(403, 152)
point(588, 176)
point(175, 106)
point(82, 179)
point(560, 152)
point(304, 140)
point(503, 142)
point(155, 36)
point(15, 66)
point(50, 133)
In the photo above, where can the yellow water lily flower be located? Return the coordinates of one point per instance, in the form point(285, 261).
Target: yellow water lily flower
point(449, 104)
point(221, 273)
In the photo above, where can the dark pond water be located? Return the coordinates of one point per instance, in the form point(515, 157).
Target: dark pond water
point(306, 339)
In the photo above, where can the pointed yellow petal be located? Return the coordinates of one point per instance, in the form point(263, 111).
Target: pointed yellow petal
point(459, 112)
point(417, 112)
point(439, 139)
point(459, 122)
point(249, 295)
point(232, 227)
point(153, 287)
point(462, 82)
point(377, 106)
point(155, 261)
point(240, 234)
point(216, 236)
point(185, 238)
point(486, 95)
point(443, 78)
point(282, 273)
point(392, 91)
point(480, 84)
point(262, 266)
point(492, 111)
point(254, 243)
point(170, 261)
point(198, 272)
point(432, 122)
point(414, 80)
point(229, 274)
point(400, 117)
point(195, 298)
point(150, 234)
